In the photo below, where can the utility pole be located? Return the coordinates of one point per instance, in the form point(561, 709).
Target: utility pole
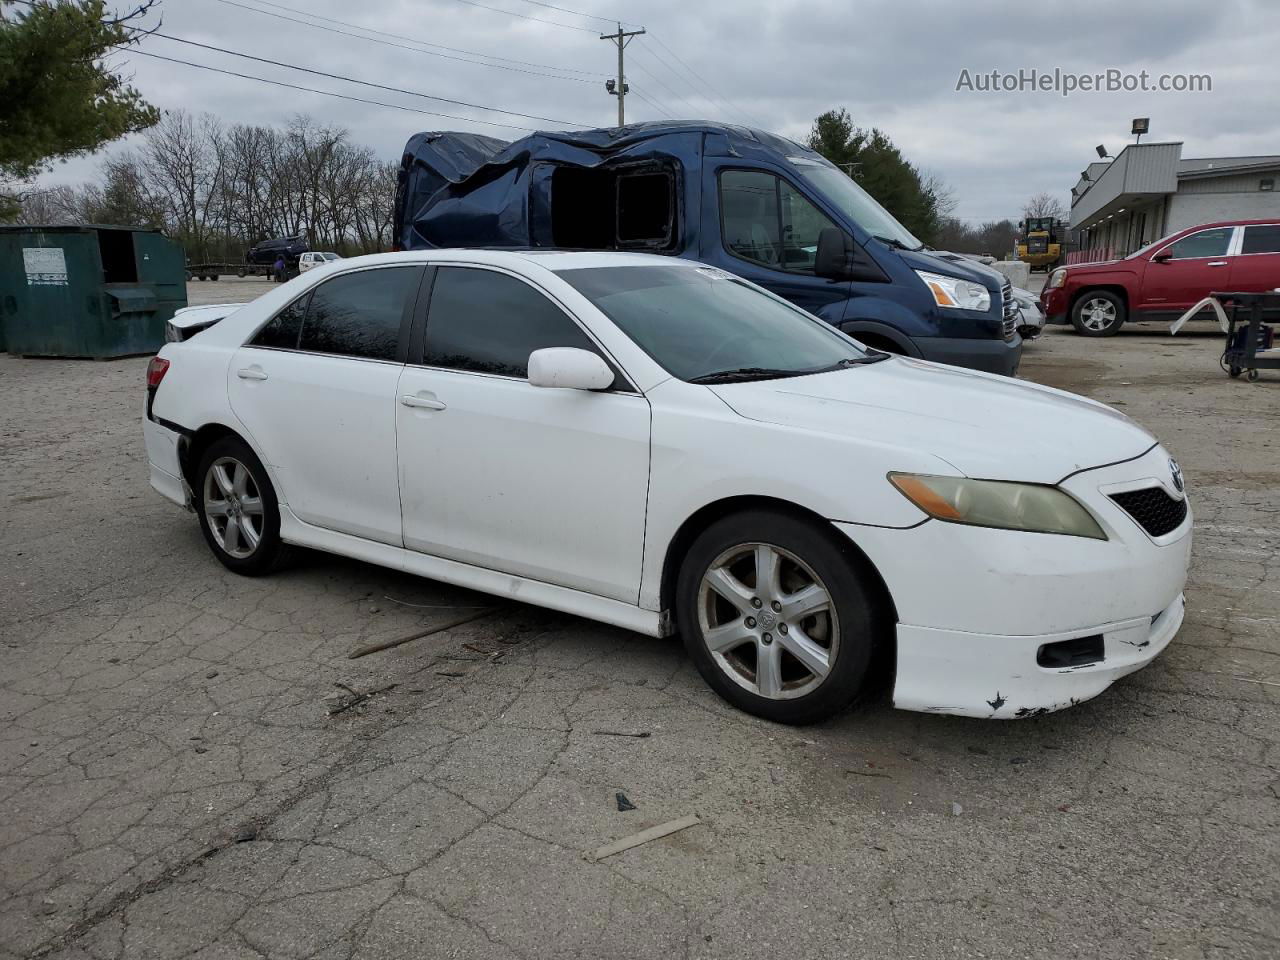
point(619, 88)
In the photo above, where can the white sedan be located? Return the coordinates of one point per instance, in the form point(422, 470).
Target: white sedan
point(662, 446)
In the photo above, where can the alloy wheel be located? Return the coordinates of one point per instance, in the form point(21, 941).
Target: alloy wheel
point(1098, 314)
point(768, 621)
point(233, 507)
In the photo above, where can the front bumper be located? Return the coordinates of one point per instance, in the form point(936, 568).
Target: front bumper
point(1054, 304)
point(989, 356)
point(976, 605)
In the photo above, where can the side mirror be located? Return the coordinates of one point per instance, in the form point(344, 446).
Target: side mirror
point(840, 258)
point(569, 368)
point(1164, 256)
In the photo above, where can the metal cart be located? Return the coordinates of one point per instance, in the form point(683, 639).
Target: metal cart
point(1248, 338)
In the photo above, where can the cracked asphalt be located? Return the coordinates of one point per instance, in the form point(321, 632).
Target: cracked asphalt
point(173, 782)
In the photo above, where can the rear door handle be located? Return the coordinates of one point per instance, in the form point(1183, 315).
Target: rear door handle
point(251, 373)
point(1216, 263)
point(425, 403)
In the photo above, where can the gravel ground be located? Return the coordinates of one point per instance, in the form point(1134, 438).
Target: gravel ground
point(174, 781)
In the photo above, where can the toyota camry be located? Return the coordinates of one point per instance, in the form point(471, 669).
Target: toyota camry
point(662, 446)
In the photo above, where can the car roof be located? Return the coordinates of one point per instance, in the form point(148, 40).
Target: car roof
point(555, 260)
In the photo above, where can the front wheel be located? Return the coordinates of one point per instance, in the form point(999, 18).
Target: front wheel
point(1098, 313)
point(777, 617)
point(238, 510)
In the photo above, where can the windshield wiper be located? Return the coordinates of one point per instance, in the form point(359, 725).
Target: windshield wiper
point(746, 373)
point(893, 242)
point(855, 362)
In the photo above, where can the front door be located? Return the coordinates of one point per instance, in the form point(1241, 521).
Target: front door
point(316, 388)
point(549, 484)
point(768, 233)
point(1198, 266)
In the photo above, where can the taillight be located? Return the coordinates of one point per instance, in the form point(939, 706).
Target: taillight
point(156, 370)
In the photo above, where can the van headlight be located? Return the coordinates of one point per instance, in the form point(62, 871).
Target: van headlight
point(1057, 278)
point(1032, 507)
point(955, 293)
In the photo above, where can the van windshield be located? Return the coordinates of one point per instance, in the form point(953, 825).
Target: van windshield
point(707, 326)
point(855, 203)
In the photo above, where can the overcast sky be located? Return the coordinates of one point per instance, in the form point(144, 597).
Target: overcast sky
point(893, 64)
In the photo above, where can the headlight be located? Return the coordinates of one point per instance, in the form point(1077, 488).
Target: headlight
point(1057, 278)
point(1032, 507)
point(955, 293)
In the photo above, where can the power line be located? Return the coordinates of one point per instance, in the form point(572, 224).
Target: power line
point(659, 82)
point(522, 16)
point(365, 83)
point(415, 40)
point(402, 46)
point(579, 13)
point(698, 78)
point(640, 93)
point(327, 93)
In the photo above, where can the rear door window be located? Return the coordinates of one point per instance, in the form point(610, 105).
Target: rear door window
point(1205, 243)
point(281, 332)
point(359, 314)
point(1265, 239)
point(489, 322)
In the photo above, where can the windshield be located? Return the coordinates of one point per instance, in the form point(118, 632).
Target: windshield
point(700, 322)
point(855, 203)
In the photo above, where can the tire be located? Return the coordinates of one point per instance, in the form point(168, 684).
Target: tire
point(213, 276)
point(1098, 313)
point(228, 476)
point(839, 634)
point(241, 272)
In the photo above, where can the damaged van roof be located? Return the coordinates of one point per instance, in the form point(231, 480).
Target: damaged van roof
point(465, 189)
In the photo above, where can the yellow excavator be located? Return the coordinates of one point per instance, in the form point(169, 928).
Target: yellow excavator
point(1040, 244)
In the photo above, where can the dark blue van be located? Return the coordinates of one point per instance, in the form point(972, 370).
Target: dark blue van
point(758, 205)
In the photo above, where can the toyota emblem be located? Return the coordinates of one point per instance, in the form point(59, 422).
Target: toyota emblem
point(1176, 471)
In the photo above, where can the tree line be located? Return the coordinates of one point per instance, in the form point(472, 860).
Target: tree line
point(218, 188)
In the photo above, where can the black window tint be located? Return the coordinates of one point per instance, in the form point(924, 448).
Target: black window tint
point(282, 330)
point(490, 322)
point(1261, 239)
point(1206, 243)
point(359, 314)
point(749, 202)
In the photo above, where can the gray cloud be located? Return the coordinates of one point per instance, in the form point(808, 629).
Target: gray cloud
point(893, 63)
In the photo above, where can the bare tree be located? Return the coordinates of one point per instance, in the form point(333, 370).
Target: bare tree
point(1043, 205)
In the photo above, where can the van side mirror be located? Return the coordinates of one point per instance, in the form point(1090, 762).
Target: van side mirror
point(1164, 256)
point(840, 258)
point(569, 367)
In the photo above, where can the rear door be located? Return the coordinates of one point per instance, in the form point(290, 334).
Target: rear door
point(1256, 268)
point(316, 388)
point(1200, 264)
point(768, 233)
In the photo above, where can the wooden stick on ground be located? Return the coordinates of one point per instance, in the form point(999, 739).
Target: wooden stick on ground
point(644, 836)
point(447, 625)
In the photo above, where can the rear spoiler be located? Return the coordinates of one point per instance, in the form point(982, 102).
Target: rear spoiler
point(189, 321)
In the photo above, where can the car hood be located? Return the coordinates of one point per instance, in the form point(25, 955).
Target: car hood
point(985, 426)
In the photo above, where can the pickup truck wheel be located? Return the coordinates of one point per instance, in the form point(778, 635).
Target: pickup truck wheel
point(776, 616)
point(238, 511)
point(1098, 313)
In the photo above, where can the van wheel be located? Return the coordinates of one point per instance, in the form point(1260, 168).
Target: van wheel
point(238, 511)
point(1098, 313)
point(776, 616)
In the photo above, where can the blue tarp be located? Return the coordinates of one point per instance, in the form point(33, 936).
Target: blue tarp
point(467, 190)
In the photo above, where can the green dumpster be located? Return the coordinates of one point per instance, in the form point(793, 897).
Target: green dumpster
point(87, 290)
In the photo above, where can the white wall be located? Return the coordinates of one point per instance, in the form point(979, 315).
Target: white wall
point(1189, 209)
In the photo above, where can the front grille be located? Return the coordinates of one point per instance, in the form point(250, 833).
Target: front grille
point(1153, 509)
point(1010, 311)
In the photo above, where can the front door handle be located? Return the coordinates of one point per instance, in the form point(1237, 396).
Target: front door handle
point(1216, 263)
point(424, 403)
point(251, 373)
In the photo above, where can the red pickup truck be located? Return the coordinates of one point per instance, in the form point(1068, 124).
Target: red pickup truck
point(1163, 279)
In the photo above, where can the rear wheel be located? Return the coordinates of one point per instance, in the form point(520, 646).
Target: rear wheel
point(238, 510)
point(776, 616)
point(1098, 313)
